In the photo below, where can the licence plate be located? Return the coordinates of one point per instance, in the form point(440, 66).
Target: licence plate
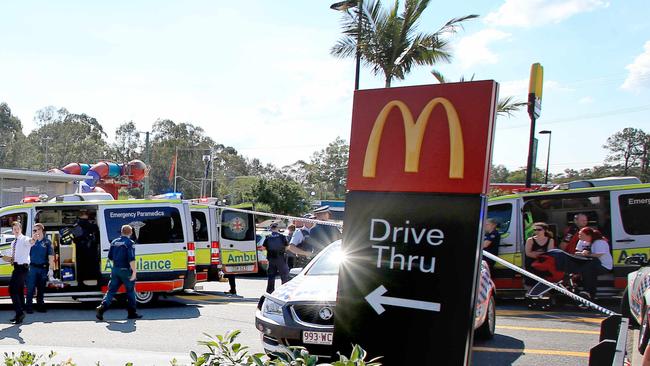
point(317, 337)
point(242, 268)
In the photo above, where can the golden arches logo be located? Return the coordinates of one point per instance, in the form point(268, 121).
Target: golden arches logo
point(413, 135)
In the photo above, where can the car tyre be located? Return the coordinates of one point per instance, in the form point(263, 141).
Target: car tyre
point(146, 297)
point(488, 328)
point(644, 332)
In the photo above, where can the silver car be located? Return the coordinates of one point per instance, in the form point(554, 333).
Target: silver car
point(301, 312)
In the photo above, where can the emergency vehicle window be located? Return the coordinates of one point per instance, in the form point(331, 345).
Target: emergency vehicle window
point(6, 236)
point(151, 225)
point(200, 226)
point(635, 210)
point(237, 226)
point(502, 213)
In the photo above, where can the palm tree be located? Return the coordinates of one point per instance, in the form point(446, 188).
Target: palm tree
point(389, 42)
point(506, 106)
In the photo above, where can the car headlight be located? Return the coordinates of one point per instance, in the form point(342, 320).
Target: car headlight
point(271, 307)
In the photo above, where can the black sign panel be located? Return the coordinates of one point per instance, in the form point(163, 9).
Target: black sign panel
point(407, 287)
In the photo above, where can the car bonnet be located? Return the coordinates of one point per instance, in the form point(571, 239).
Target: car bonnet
point(308, 288)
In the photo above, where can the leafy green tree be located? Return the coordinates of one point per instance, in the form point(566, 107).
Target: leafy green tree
point(12, 140)
point(628, 148)
point(328, 170)
point(66, 138)
point(282, 195)
point(499, 174)
point(519, 176)
point(390, 42)
point(128, 144)
point(191, 144)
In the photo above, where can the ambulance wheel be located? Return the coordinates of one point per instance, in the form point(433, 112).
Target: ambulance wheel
point(146, 297)
point(487, 329)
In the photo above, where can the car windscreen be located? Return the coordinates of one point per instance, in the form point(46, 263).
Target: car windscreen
point(328, 263)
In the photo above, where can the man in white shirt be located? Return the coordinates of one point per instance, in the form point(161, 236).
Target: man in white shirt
point(19, 257)
point(297, 240)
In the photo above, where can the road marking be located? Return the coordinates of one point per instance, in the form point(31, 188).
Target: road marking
point(548, 315)
point(552, 330)
point(547, 352)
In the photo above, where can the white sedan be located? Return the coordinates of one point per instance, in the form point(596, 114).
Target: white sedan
point(301, 312)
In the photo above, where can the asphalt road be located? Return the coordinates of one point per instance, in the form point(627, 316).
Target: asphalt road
point(172, 328)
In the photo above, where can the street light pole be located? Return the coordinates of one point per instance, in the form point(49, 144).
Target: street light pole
point(343, 6)
point(548, 154)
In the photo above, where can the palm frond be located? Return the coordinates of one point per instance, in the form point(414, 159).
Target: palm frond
point(508, 105)
point(439, 76)
point(455, 24)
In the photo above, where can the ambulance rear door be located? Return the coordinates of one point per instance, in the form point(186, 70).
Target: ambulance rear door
point(202, 234)
point(238, 250)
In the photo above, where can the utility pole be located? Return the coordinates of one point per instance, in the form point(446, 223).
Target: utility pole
point(175, 168)
point(212, 173)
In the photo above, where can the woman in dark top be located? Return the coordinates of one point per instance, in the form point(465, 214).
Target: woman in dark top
point(541, 242)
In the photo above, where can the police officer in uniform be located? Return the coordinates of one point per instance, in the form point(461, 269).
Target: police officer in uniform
point(298, 245)
point(41, 266)
point(491, 240)
point(19, 258)
point(122, 256)
point(276, 246)
point(322, 235)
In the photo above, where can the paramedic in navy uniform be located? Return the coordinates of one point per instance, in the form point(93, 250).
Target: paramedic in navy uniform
point(41, 266)
point(122, 256)
point(19, 257)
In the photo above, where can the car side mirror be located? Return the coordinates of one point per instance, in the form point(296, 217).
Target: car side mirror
point(293, 272)
point(636, 260)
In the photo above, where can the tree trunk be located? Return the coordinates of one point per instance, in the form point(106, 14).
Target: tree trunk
point(387, 85)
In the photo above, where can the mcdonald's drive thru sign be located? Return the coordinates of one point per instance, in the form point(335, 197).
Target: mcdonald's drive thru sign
point(418, 173)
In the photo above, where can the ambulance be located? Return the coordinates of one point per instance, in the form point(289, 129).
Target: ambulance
point(225, 241)
point(162, 230)
point(620, 212)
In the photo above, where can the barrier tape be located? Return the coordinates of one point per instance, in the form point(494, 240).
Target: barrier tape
point(549, 284)
point(485, 254)
point(260, 213)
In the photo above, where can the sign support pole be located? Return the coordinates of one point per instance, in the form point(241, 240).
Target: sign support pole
point(534, 111)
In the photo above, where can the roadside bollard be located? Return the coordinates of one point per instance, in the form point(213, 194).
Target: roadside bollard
point(610, 351)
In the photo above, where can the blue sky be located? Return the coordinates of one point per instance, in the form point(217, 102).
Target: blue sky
point(257, 75)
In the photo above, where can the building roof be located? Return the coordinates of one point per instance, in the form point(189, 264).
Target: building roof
point(31, 175)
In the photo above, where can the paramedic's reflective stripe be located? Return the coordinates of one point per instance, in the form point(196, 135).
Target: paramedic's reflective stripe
point(547, 283)
point(260, 213)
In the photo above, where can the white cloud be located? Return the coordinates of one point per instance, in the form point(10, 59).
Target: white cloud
point(473, 49)
point(639, 71)
point(519, 88)
point(586, 100)
point(531, 13)
point(515, 88)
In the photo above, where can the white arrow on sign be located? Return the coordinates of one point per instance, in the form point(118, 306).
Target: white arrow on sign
point(376, 299)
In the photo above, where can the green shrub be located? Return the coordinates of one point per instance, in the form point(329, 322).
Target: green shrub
point(223, 350)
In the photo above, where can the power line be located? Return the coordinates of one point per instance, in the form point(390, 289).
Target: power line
point(612, 112)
